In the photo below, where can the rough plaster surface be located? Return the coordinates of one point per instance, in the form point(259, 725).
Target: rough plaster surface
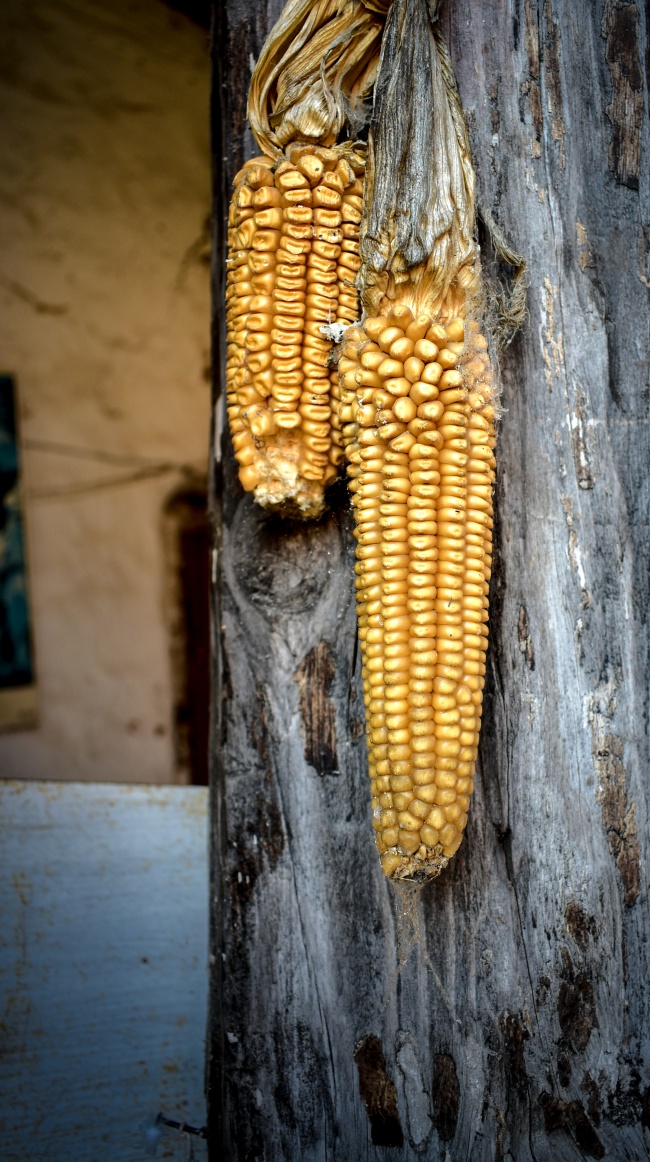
point(103, 957)
point(104, 308)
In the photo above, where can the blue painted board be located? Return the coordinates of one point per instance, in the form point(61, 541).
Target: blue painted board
point(103, 970)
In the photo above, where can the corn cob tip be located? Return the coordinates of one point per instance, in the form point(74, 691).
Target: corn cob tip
point(425, 865)
point(279, 485)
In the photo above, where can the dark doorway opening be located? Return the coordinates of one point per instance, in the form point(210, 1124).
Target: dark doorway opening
point(187, 543)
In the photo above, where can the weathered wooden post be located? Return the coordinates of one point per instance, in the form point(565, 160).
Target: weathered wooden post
point(503, 1012)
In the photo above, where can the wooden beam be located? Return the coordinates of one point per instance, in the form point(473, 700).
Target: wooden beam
point(502, 1012)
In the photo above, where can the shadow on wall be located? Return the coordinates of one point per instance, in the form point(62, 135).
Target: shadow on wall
point(196, 10)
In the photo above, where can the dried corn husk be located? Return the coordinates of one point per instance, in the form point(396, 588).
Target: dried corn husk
point(419, 222)
point(315, 73)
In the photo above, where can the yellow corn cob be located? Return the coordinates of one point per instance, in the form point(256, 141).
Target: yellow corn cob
point(418, 425)
point(293, 254)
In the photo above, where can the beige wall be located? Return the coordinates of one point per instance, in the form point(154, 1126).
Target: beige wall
point(104, 195)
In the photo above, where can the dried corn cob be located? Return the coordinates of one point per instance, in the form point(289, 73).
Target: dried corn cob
point(417, 417)
point(294, 240)
point(418, 424)
point(294, 243)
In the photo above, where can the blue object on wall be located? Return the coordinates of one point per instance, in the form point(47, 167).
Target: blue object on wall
point(17, 683)
point(16, 667)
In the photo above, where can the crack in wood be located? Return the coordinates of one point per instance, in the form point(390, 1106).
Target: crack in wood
point(525, 639)
point(314, 678)
point(446, 1095)
point(378, 1093)
point(618, 817)
point(531, 87)
point(620, 29)
point(553, 82)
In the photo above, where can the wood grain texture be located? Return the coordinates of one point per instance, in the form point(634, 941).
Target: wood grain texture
point(518, 1026)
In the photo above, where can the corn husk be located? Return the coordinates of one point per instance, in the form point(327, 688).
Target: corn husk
point(315, 73)
point(419, 223)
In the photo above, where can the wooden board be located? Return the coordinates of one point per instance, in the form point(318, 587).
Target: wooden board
point(103, 956)
point(510, 1017)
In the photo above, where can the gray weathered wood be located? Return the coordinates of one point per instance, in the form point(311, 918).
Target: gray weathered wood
point(518, 1026)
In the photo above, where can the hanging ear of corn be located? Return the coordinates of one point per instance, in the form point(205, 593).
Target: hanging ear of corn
point(417, 418)
point(293, 249)
point(293, 256)
point(419, 424)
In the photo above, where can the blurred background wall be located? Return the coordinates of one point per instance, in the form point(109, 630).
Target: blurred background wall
point(104, 322)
